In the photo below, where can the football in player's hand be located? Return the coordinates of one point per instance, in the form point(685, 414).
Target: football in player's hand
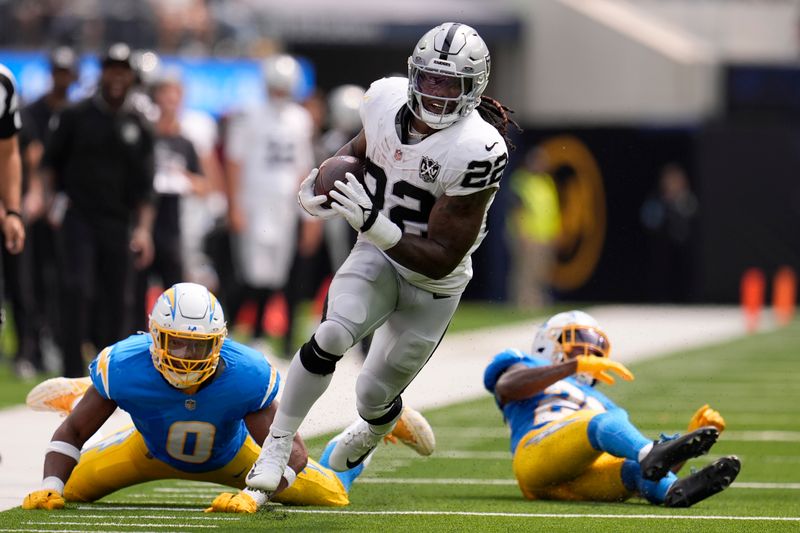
point(333, 169)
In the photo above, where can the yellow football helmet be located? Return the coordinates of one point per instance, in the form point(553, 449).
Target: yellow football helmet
point(570, 334)
point(188, 328)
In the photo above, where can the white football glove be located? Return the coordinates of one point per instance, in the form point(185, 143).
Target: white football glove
point(311, 203)
point(354, 205)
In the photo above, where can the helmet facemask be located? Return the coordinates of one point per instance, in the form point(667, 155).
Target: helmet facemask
point(573, 340)
point(185, 359)
point(439, 99)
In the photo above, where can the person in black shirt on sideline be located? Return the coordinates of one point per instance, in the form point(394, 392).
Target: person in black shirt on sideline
point(32, 276)
point(177, 174)
point(100, 157)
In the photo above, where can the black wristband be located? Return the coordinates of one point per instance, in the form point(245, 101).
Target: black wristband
point(12, 213)
point(371, 218)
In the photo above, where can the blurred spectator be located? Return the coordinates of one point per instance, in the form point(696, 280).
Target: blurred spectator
point(183, 25)
point(268, 153)
point(534, 225)
point(33, 275)
point(668, 216)
point(177, 174)
point(100, 157)
point(344, 103)
point(201, 212)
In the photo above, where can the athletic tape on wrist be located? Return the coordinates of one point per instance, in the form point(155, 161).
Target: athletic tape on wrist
point(53, 483)
point(64, 448)
point(384, 233)
point(290, 475)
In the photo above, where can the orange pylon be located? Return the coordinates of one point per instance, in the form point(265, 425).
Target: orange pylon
point(784, 295)
point(752, 297)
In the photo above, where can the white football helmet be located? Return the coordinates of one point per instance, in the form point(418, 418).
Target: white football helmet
point(188, 328)
point(447, 74)
point(570, 334)
point(344, 103)
point(282, 73)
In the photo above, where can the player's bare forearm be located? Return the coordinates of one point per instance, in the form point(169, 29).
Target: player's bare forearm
point(10, 173)
point(83, 422)
point(299, 457)
point(453, 226)
point(521, 382)
point(356, 147)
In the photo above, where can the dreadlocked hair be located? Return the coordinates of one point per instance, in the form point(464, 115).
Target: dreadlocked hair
point(497, 115)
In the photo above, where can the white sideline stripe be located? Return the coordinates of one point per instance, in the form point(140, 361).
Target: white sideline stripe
point(738, 436)
point(457, 454)
point(429, 481)
point(75, 530)
point(756, 485)
point(115, 508)
point(551, 515)
point(460, 481)
point(156, 516)
point(63, 523)
point(472, 513)
point(197, 490)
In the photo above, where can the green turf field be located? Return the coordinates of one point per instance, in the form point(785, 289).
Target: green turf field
point(467, 484)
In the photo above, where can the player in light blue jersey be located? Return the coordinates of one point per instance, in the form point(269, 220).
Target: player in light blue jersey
point(201, 404)
point(570, 442)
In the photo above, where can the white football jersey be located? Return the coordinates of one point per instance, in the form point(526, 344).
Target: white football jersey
point(273, 145)
point(405, 180)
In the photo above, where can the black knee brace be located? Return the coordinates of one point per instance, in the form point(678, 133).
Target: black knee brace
point(395, 409)
point(316, 360)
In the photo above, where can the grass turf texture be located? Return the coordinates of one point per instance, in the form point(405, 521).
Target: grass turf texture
point(751, 381)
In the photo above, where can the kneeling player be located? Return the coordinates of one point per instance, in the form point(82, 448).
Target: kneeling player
point(201, 405)
point(570, 442)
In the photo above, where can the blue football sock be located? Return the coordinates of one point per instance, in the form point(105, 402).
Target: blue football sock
point(348, 476)
point(653, 491)
point(612, 432)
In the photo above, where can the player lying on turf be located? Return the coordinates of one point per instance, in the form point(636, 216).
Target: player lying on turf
point(200, 403)
point(570, 442)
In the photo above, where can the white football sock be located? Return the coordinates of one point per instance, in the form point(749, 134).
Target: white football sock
point(300, 391)
point(644, 451)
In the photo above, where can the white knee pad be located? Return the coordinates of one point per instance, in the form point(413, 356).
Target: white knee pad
point(333, 337)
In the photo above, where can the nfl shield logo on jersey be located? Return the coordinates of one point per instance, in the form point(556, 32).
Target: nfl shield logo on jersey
point(190, 404)
point(428, 169)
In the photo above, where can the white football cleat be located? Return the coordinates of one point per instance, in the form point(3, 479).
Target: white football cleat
point(266, 473)
point(414, 431)
point(58, 394)
point(353, 446)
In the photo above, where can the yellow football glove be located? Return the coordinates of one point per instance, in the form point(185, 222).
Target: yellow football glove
point(599, 367)
point(233, 503)
point(43, 499)
point(706, 416)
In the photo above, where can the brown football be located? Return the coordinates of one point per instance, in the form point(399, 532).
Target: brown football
point(334, 168)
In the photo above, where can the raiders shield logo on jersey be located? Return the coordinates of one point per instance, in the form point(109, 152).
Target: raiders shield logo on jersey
point(428, 169)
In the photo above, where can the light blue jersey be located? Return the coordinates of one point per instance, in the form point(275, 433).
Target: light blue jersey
point(557, 401)
point(191, 432)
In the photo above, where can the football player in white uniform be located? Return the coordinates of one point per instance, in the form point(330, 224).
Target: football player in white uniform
point(434, 151)
point(269, 152)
